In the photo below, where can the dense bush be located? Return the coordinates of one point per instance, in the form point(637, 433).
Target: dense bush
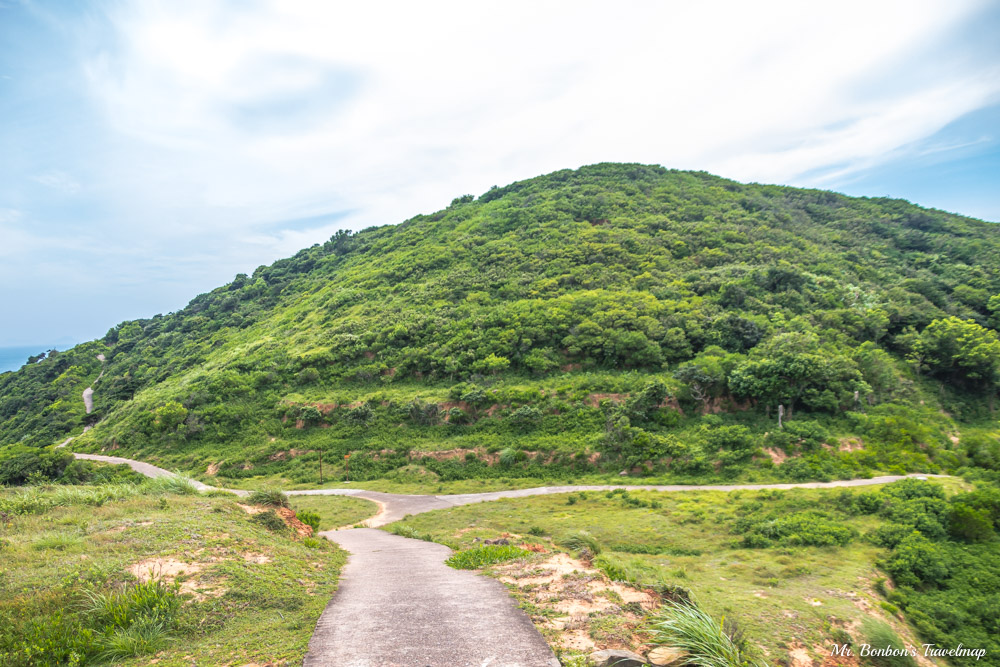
point(805, 528)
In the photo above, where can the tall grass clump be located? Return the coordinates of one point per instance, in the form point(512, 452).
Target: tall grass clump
point(172, 484)
point(581, 542)
point(141, 638)
point(708, 643)
point(488, 554)
point(136, 620)
point(268, 498)
point(151, 600)
point(880, 636)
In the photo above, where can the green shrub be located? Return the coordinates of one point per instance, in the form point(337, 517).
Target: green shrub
point(311, 519)
point(268, 498)
point(579, 541)
point(687, 627)
point(917, 560)
point(802, 529)
point(878, 635)
point(173, 484)
point(50, 637)
point(151, 600)
point(487, 554)
point(271, 521)
point(969, 524)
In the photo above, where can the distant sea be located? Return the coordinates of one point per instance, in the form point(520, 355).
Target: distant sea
point(12, 358)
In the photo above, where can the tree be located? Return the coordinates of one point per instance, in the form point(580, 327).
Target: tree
point(790, 368)
point(168, 417)
point(492, 364)
point(959, 349)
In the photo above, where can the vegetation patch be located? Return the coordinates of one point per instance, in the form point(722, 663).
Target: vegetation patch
point(794, 592)
point(188, 578)
point(485, 555)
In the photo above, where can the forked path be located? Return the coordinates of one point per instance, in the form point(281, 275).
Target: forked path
point(398, 604)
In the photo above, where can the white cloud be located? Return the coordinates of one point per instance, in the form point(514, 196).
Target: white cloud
point(58, 180)
point(453, 97)
point(221, 119)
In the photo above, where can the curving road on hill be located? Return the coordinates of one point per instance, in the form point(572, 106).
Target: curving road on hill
point(399, 604)
point(395, 506)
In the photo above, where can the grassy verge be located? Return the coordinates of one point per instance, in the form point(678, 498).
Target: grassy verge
point(787, 595)
point(335, 511)
point(247, 593)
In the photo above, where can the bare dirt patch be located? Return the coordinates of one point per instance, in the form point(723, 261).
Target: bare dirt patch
point(594, 400)
point(851, 445)
point(777, 456)
point(170, 569)
point(259, 559)
point(576, 602)
point(287, 515)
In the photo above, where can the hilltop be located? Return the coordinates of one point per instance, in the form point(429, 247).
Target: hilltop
point(618, 317)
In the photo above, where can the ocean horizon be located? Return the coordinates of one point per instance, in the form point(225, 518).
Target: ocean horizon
point(12, 358)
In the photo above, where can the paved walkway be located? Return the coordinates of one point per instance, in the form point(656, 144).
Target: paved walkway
point(398, 604)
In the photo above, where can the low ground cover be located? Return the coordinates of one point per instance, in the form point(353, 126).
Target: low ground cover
point(126, 572)
point(334, 511)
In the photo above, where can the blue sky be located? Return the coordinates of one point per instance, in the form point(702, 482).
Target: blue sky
point(152, 150)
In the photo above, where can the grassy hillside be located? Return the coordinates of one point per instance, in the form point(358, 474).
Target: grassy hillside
point(617, 317)
point(119, 572)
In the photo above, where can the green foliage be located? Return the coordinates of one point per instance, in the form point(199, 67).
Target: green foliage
point(268, 498)
point(271, 521)
point(18, 464)
point(917, 560)
point(606, 309)
point(801, 529)
point(957, 348)
point(168, 417)
point(311, 519)
point(883, 639)
point(484, 556)
point(581, 542)
point(687, 627)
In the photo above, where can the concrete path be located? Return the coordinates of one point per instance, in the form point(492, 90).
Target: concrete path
point(398, 604)
point(147, 469)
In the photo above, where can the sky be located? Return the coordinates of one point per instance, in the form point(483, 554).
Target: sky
point(150, 151)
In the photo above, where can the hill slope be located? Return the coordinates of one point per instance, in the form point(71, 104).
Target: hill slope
point(610, 310)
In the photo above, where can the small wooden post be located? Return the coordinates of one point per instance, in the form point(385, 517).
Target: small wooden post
point(347, 467)
point(320, 466)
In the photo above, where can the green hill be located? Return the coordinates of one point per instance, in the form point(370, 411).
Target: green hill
point(616, 317)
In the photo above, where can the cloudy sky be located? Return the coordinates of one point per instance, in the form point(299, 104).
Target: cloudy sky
point(149, 151)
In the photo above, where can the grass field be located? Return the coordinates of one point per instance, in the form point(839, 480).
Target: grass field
point(335, 511)
point(247, 594)
point(784, 597)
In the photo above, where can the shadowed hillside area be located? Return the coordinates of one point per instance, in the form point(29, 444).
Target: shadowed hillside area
point(614, 318)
